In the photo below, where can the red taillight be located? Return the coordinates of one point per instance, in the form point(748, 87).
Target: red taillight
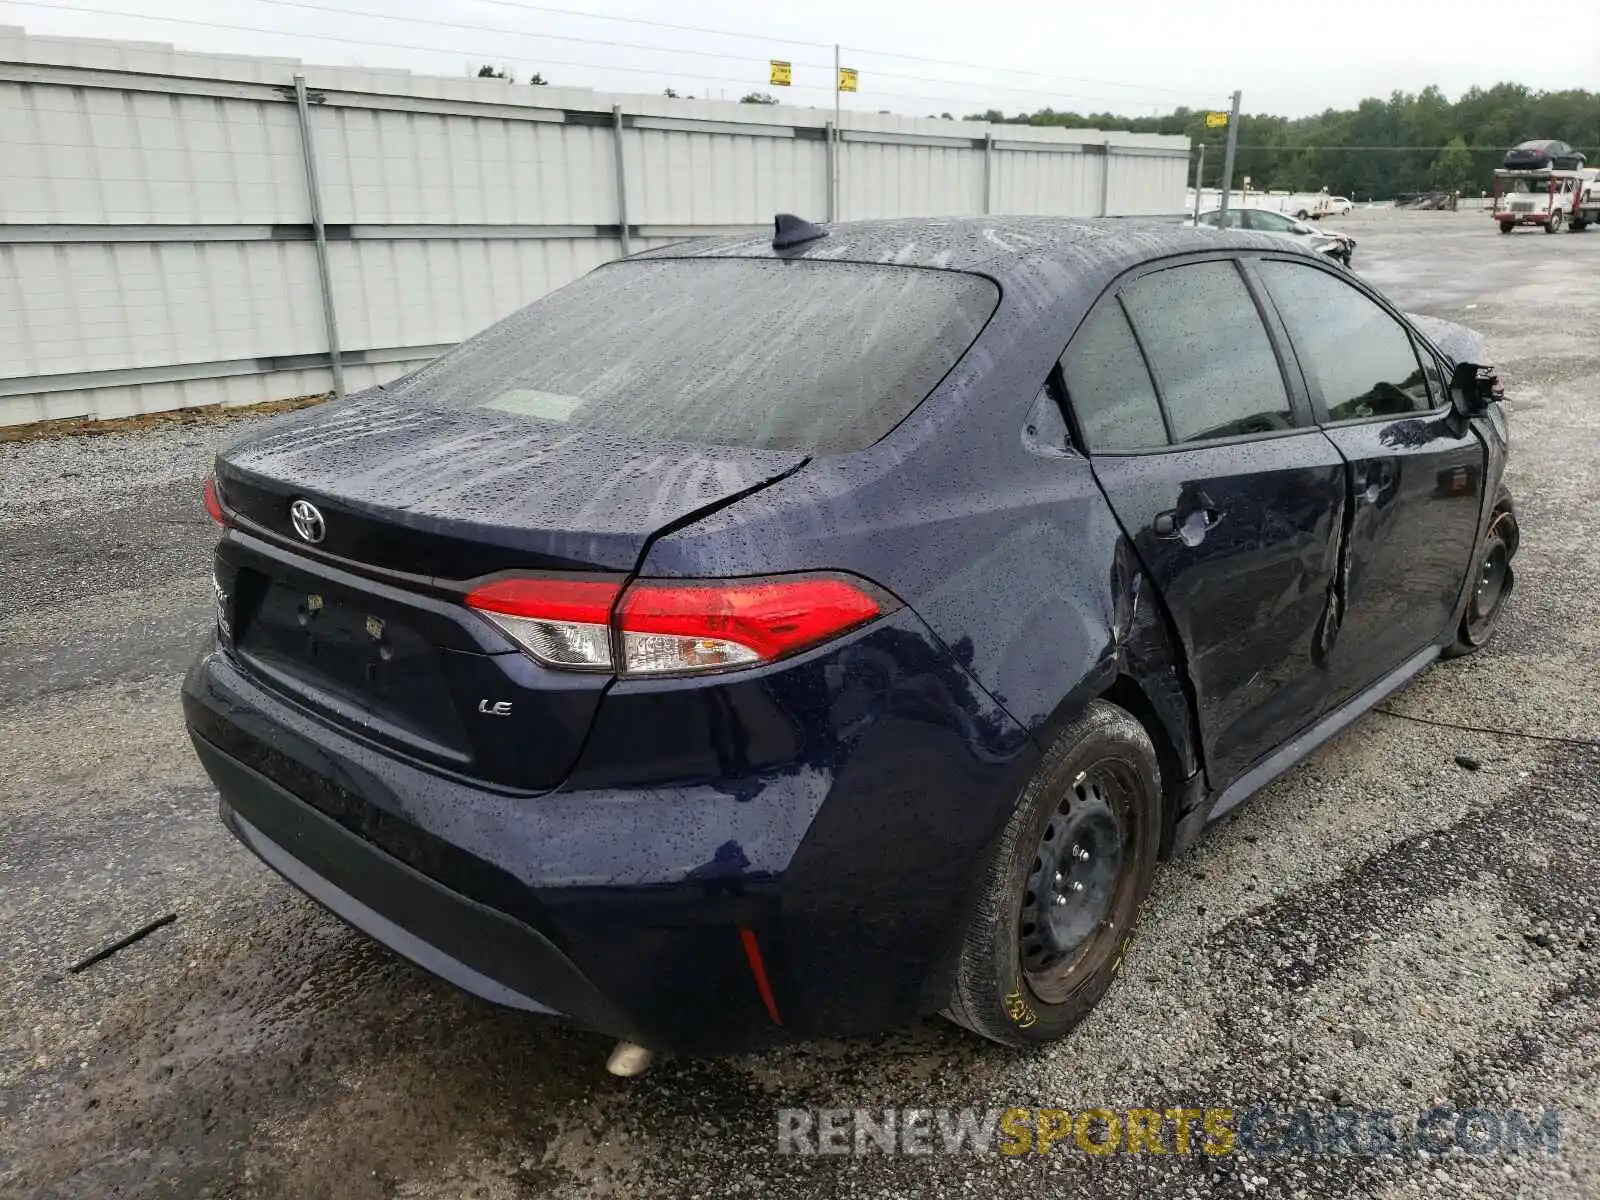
point(561, 622)
point(213, 504)
point(672, 626)
point(584, 600)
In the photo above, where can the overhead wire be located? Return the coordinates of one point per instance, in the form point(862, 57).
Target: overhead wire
point(947, 62)
point(970, 91)
point(526, 33)
point(714, 54)
point(595, 16)
point(790, 41)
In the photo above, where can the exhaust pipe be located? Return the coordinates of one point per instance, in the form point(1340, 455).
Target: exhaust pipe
point(629, 1059)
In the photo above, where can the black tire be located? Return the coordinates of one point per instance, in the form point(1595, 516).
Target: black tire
point(1553, 225)
point(1102, 763)
point(1494, 581)
point(1507, 226)
point(1576, 226)
point(1301, 215)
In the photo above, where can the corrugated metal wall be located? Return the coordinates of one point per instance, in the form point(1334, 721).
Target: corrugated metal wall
point(156, 245)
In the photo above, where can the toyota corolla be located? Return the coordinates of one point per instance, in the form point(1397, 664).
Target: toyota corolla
point(786, 636)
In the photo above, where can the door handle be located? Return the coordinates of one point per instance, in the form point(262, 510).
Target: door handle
point(1372, 480)
point(1188, 526)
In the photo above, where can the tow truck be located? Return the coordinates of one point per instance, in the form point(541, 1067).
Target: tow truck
point(1546, 197)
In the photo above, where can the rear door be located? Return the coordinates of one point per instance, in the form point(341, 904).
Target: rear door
point(1416, 473)
point(1231, 496)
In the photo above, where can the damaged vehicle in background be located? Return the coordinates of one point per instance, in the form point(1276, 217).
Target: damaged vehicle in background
point(1340, 247)
point(762, 639)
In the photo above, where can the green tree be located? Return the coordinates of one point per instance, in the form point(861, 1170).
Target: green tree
point(757, 98)
point(1379, 149)
point(537, 80)
point(488, 72)
point(1452, 170)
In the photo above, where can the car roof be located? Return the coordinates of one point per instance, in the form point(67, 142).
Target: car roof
point(1011, 250)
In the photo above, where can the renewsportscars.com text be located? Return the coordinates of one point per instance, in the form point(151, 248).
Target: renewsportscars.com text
point(1174, 1130)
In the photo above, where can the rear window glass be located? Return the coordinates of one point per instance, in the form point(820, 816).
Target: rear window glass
point(1109, 386)
point(766, 353)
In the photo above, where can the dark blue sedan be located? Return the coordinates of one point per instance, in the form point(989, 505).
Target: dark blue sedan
point(788, 636)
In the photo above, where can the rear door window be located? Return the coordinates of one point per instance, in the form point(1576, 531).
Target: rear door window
point(765, 353)
point(1109, 387)
point(1355, 354)
point(1214, 367)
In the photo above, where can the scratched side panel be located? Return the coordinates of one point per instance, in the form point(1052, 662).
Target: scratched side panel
point(1249, 596)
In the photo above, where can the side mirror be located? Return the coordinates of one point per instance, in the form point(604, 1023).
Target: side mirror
point(1473, 388)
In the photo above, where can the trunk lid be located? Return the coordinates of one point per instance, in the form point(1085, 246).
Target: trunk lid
point(455, 495)
point(414, 501)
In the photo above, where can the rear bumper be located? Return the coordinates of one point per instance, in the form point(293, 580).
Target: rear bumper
point(476, 948)
point(699, 914)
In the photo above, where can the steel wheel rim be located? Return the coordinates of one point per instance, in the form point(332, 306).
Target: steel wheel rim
point(1491, 588)
point(1069, 902)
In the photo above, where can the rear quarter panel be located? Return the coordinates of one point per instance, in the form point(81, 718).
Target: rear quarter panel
point(1012, 557)
point(1007, 551)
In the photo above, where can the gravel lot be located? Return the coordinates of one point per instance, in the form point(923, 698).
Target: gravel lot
point(1384, 927)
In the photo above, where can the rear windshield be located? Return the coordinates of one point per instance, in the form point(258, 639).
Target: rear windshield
point(766, 353)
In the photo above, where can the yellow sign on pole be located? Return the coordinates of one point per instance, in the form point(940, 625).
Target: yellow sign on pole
point(847, 79)
point(781, 74)
point(1216, 120)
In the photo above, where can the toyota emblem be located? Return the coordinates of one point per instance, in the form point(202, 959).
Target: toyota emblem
point(307, 520)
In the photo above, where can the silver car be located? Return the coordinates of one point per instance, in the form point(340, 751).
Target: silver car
point(1340, 247)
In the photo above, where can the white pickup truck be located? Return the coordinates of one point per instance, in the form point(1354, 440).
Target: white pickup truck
point(1314, 205)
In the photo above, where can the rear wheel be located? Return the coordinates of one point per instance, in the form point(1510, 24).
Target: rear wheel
point(1064, 887)
point(1491, 585)
point(1507, 226)
point(1576, 226)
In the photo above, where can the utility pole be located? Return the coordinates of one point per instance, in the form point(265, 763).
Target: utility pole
point(837, 134)
point(1227, 156)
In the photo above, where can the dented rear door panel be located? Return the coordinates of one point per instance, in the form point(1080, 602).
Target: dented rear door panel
point(1243, 542)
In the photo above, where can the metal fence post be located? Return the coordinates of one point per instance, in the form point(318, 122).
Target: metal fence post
point(833, 199)
point(1227, 156)
point(1105, 178)
point(622, 181)
point(838, 132)
point(1199, 181)
point(324, 274)
point(988, 173)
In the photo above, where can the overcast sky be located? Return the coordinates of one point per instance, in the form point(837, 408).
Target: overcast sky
point(1133, 56)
